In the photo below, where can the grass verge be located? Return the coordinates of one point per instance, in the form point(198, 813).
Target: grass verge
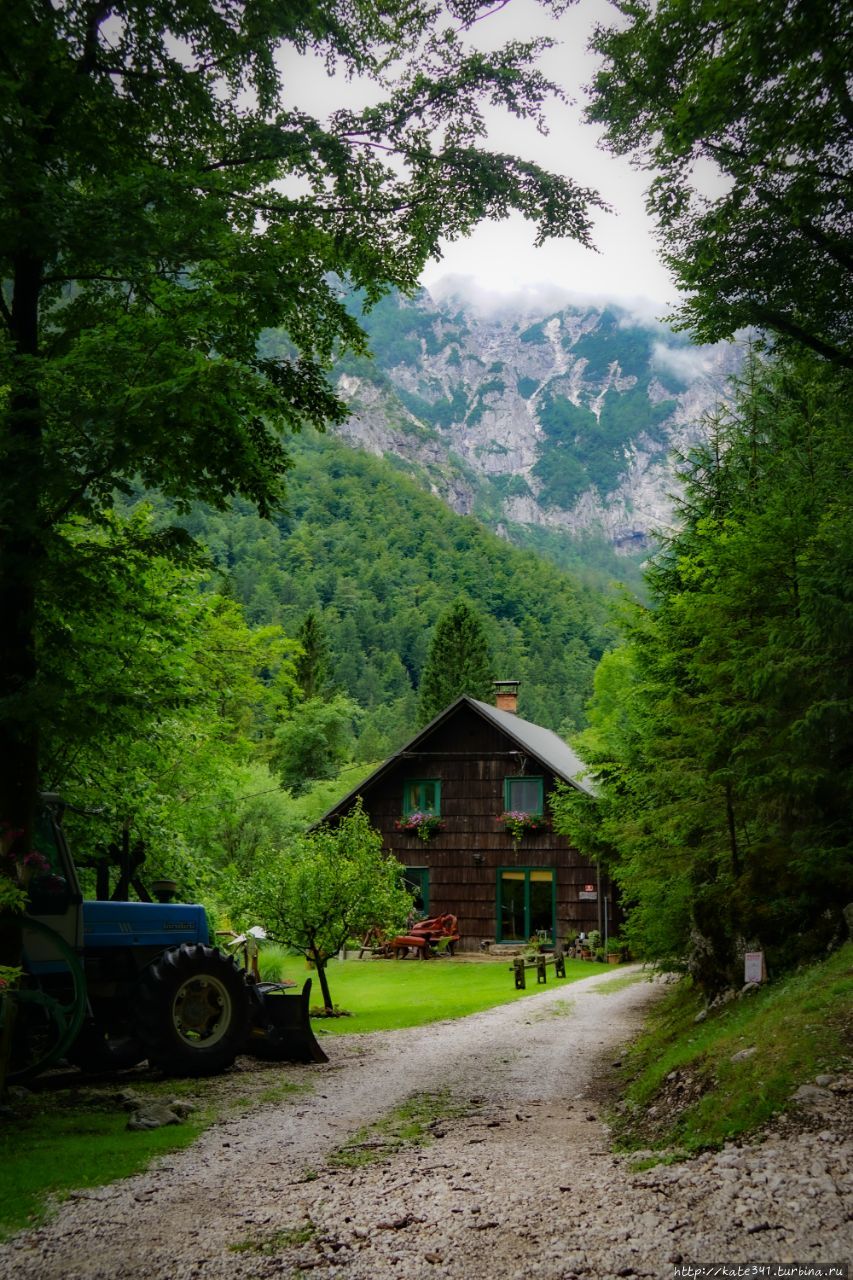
point(693, 1086)
point(69, 1140)
point(412, 1124)
point(50, 1152)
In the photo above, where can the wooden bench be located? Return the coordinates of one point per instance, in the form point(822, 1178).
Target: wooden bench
point(521, 963)
point(374, 943)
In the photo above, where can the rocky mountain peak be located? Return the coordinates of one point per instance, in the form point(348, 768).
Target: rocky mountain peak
point(565, 419)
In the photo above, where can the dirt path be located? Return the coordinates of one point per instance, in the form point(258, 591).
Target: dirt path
point(521, 1185)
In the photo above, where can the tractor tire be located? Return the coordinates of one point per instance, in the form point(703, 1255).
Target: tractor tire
point(193, 1011)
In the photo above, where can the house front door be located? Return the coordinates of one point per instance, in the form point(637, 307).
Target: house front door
point(526, 903)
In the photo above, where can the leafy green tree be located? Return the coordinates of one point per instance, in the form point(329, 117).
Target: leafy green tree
point(333, 885)
point(161, 204)
point(160, 694)
point(459, 661)
point(314, 742)
point(743, 113)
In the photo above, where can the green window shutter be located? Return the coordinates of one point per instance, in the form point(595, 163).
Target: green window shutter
point(524, 795)
point(422, 796)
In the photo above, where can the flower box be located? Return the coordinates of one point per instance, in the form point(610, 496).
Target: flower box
point(422, 825)
point(518, 824)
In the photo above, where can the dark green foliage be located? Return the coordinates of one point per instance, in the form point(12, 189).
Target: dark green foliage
point(757, 93)
point(162, 203)
point(478, 408)
point(458, 662)
point(631, 414)
point(312, 664)
point(437, 413)
point(535, 333)
point(401, 329)
point(560, 469)
point(721, 733)
point(313, 743)
point(611, 341)
point(159, 694)
point(526, 387)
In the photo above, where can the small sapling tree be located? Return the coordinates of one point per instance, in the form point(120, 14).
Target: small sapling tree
point(335, 884)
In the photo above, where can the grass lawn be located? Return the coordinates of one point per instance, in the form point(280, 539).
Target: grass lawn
point(66, 1140)
point(52, 1151)
point(384, 994)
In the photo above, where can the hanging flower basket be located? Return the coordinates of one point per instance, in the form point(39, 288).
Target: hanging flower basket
point(519, 824)
point(422, 825)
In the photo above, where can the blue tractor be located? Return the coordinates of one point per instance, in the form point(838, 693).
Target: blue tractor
point(108, 984)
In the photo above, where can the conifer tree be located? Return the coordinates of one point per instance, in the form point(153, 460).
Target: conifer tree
point(459, 661)
point(312, 665)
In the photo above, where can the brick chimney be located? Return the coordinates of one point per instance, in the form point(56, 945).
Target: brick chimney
point(506, 695)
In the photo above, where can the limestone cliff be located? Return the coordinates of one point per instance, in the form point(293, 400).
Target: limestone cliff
point(566, 420)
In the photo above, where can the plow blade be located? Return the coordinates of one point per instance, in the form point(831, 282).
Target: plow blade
point(281, 1028)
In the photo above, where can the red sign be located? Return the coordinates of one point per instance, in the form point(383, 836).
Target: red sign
point(589, 888)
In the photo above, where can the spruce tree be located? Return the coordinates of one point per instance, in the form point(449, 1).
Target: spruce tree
point(459, 661)
point(312, 665)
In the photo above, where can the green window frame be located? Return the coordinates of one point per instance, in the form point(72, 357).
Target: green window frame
point(422, 795)
point(524, 794)
point(524, 903)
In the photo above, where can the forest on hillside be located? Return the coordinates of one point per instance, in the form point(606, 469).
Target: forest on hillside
point(378, 561)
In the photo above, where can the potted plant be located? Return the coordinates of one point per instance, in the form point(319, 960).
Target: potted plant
point(593, 942)
point(615, 949)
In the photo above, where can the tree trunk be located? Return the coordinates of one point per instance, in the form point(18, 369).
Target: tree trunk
point(21, 556)
point(320, 962)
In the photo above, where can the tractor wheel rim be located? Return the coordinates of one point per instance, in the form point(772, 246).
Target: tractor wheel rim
point(201, 1011)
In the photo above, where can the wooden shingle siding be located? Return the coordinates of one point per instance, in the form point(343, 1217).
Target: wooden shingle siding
point(471, 757)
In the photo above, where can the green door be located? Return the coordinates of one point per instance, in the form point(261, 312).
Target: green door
point(526, 903)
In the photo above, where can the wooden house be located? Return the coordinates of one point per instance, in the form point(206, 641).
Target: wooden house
point(439, 801)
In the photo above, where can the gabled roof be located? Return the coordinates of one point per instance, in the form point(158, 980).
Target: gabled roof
point(544, 744)
point(541, 744)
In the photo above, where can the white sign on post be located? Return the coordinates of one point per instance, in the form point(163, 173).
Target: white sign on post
point(753, 967)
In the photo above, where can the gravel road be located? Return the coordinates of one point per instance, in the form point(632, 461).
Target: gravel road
point(517, 1182)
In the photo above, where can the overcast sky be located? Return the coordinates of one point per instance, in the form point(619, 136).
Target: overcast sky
point(500, 257)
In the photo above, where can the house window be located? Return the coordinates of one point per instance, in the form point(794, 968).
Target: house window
point(523, 795)
point(526, 903)
point(422, 796)
point(416, 880)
